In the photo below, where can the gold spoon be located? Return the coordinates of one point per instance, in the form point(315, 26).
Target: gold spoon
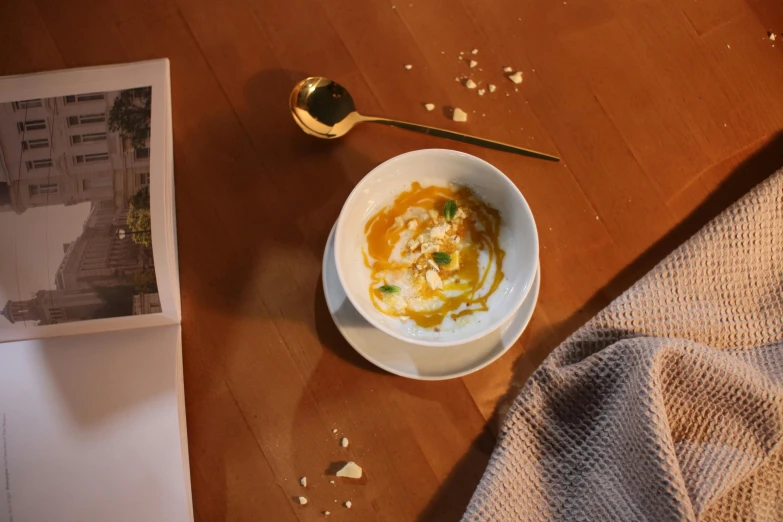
point(325, 109)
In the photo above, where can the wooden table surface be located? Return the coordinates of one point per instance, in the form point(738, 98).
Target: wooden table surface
point(664, 112)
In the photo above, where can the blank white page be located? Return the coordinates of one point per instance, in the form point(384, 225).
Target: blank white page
point(91, 428)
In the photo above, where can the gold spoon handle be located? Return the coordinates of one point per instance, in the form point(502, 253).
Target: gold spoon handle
point(463, 138)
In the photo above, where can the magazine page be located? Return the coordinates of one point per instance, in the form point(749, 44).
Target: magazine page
point(86, 201)
point(92, 427)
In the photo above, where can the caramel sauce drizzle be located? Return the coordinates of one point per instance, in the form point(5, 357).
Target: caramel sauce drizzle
point(479, 231)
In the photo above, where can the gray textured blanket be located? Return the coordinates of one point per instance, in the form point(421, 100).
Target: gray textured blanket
point(668, 405)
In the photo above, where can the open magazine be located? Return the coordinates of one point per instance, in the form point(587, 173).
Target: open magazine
point(92, 419)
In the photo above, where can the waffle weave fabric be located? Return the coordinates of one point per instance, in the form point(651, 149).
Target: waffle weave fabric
point(668, 405)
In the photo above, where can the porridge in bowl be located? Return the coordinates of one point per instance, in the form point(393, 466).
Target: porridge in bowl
point(434, 256)
point(484, 247)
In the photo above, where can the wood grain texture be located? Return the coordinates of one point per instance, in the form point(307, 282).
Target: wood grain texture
point(664, 112)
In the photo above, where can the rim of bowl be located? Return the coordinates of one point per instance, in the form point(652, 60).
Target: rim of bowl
point(377, 324)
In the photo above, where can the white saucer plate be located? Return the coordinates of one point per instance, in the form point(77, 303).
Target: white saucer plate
point(430, 363)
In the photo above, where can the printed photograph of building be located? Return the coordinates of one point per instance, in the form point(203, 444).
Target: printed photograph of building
point(75, 208)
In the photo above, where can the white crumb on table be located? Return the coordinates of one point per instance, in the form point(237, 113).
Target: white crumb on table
point(326, 513)
point(772, 36)
point(409, 67)
point(472, 63)
point(470, 84)
point(303, 482)
point(481, 92)
point(429, 106)
point(331, 482)
point(474, 51)
point(516, 77)
point(344, 442)
point(348, 504)
point(350, 470)
point(491, 88)
point(459, 115)
point(302, 501)
point(507, 69)
point(334, 430)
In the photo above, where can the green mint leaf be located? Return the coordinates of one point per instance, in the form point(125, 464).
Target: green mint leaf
point(449, 209)
point(442, 258)
point(389, 289)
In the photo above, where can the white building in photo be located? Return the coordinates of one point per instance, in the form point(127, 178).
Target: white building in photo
point(99, 256)
point(55, 307)
point(59, 151)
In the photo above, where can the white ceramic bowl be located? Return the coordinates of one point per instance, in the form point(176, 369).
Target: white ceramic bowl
point(518, 237)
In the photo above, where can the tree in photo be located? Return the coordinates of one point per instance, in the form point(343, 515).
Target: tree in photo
point(139, 222)
point(130, 115)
